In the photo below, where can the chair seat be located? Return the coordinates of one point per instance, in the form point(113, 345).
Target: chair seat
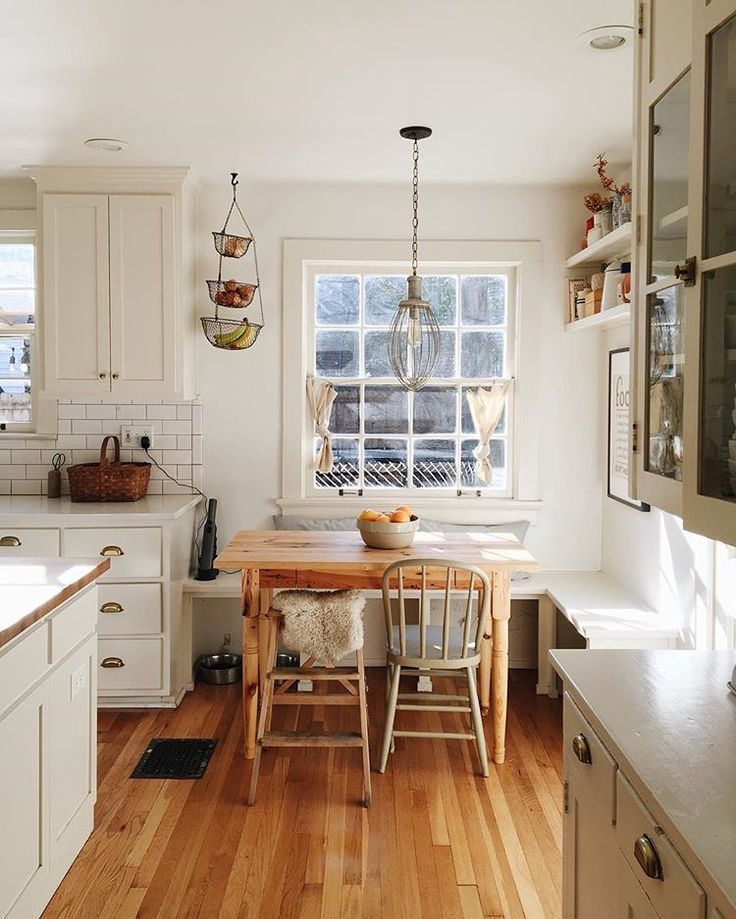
point(433, 649)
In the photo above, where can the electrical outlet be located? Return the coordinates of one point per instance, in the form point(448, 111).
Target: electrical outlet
point(226, 639)
point(130, 438)
point(79, 680)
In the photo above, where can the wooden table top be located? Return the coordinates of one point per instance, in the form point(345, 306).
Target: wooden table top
point(335, 551)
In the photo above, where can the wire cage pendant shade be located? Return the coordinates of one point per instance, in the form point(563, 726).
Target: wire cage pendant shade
point(414, 339)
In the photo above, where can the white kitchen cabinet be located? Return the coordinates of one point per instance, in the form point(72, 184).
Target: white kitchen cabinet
point(144, 649)
point(118, 282)
point(648, 833)
point(48, 723)
point(588, 827)
point(23, 732)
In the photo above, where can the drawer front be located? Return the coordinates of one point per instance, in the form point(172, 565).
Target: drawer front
point(586, 759)
point(23, 663)
point(19, 541)
point(130, 664)
point(71, 624)
point(129, 609)
point(134, 552)
point(674, 893)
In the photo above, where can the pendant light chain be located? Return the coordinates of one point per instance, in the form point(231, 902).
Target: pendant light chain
point(415, 203)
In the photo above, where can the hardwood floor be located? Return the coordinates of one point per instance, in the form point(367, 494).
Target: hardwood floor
point(439, 840)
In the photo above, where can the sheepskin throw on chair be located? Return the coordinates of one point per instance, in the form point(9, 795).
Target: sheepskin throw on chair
point(325, 625)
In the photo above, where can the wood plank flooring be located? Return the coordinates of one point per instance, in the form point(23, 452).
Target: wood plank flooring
point(439, 841)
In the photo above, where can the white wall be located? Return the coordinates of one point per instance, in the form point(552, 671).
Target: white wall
point(667, 567)
point(242, 391)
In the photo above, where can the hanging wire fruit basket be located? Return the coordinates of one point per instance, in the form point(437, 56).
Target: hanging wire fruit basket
point(233, 334)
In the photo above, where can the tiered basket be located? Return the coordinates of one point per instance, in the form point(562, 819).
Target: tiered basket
point(233, 334)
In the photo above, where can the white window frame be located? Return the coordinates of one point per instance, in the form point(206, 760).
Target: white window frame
point(19, 226)
point(303, 259)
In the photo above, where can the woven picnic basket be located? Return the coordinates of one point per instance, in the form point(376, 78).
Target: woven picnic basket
point(109, 481)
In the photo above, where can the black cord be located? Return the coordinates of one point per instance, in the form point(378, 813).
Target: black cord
point(192, 488)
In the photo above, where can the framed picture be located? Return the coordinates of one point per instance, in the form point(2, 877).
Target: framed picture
point(619, 398)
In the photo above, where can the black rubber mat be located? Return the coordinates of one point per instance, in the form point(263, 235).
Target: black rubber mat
point(174, 759)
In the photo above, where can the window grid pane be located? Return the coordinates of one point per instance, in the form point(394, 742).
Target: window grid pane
point(410, 440)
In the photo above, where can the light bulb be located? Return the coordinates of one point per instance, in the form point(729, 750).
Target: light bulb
point(415, 328)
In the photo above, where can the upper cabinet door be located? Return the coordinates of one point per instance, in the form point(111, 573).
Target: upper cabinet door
point(76, 294)
point(710, 421)
point(143, 315)
point(662, 179)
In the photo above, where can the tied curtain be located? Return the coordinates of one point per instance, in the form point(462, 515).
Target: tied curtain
point(486, 406)
point(320, 396)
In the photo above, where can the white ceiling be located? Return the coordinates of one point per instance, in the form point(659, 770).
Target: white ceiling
point(293, 90)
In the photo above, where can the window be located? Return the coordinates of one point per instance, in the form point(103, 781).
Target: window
point(383, 436)
point(17, 330)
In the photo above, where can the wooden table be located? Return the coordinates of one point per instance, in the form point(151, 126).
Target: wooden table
point(283, 559)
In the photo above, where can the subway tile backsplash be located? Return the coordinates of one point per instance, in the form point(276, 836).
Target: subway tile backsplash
point(177, 444)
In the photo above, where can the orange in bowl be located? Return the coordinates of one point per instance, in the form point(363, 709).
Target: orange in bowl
point(369, 514)
point(400, 516)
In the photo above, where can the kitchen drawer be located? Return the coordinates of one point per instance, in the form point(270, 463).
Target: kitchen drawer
point(71, 624)
point(23, 663)
point(674, 893)
point(129, 609)
point(587, 760)
point(20, 541)
point(139, 664)
point(134, 552)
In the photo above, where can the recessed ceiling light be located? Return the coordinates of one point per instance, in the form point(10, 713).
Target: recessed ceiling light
point(606, 38)
point(108, 144)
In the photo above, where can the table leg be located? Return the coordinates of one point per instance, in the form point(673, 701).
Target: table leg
point(501, 613)
point(263, 637)
point(484, 670)
point(250, 609)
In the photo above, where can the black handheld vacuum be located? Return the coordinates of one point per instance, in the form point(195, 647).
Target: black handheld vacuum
point(205, 571)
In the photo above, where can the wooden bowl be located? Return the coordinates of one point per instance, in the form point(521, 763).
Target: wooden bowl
point(388, 535)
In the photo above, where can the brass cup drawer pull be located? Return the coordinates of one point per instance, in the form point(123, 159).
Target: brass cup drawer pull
point(111, 607)
point(114, 663)
point(581, 749)
point(646, 854)
point(111, 552)
point(10, 541)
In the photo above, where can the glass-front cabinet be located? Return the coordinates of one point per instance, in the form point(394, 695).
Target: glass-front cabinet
point(709, 504)
point(662, 186)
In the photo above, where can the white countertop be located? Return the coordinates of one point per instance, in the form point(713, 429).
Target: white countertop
point(669, 721)
point(32, 587)
point(22, 510)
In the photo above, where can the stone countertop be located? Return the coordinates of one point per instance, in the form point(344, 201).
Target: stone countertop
point(30, 588)
point(33, 511)
point(669, 721)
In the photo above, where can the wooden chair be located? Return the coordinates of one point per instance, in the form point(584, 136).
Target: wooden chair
point(437, 650)
point(352, 679)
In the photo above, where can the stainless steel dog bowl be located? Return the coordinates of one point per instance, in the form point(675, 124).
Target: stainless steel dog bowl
point(220, 668)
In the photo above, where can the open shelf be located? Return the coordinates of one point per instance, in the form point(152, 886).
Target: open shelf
point(613, 245)
point(617, 315)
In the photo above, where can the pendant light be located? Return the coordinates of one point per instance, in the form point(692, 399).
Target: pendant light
point(414, 340)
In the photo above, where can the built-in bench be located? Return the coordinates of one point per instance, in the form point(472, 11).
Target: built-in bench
point(600, 610)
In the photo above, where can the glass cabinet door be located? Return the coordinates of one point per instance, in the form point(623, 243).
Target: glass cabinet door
point(710, 486)
point(661, 369)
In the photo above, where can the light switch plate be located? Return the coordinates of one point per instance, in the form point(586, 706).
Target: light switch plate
point(79, 680)
point(130, 438)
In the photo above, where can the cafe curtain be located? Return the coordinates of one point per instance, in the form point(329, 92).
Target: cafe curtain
point(486, 406)
point(320, 396)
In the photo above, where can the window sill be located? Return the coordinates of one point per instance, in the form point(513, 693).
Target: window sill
point(449, 509)
point(27, 435)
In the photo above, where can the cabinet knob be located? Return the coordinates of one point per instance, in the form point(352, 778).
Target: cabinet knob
point(581, 749)
point(115, 376)
point(10, 541)
point(646, 854)
point(686, 272)
point(102, 374)
point(111, 607)
point(114, 663)
point(111, 552)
